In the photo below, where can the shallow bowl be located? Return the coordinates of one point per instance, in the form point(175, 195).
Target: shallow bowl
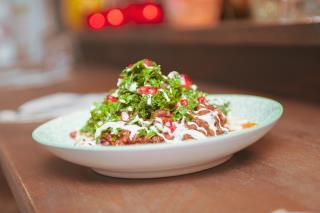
point(161, 160)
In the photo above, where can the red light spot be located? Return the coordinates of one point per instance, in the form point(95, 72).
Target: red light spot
point(150, 12)
point(97, 21)
point(115, 17)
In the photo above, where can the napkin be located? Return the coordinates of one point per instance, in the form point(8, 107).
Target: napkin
point(50, 106)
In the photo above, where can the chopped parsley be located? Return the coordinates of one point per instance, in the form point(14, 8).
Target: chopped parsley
point(141, 91)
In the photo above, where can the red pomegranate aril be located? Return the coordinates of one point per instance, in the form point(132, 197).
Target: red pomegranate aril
point(184, 102)
point(147, 62)
point(125, 116)
point(112, 98)
point(153, 90)
point(170, 125)
point(73, 134)
point(163, 113)
point(202, 99)
point(143, 90)
point(185, 81)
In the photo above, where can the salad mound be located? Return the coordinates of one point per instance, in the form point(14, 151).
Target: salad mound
point(149, 107)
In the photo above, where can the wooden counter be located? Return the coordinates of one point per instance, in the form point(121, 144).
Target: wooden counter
point(280, 171)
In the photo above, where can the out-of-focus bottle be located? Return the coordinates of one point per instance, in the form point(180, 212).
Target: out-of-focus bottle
point(33, 50)
point(285, 11)
point(193, 14)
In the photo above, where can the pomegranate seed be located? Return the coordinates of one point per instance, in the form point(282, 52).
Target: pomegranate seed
point(170, 125)
point(202, 99)
point(143, 90)
point(153, 90)
point(185, 81)
point(125, 116)
point(163, 113)
point(73, 134)
point(112, 98)
point(147, 62)
point(184, 102)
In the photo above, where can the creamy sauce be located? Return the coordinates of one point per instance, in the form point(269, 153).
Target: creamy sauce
point(132, 87)
point(115, 93)
point(235, 123)
point(198, 127)
point(134, 129)
point(210, 118)
point(164, 94)
point(119, 82)
point(149, 101)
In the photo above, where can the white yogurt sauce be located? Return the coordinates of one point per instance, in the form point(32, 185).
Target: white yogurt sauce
point(165, 95)
point(149, 101)
point(134, 129)
point(210, 118)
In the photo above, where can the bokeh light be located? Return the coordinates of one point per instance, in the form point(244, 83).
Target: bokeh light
point(115, 17)
point(96, 21)
point(150, 12)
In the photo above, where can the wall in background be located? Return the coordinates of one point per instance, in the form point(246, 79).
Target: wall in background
point(284, 70)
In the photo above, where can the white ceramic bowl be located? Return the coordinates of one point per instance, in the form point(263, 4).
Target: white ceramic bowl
point(161, 160)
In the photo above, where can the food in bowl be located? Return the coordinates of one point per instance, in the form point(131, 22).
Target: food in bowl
point(148, 107)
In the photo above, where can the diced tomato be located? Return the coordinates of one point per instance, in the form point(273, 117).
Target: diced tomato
point(125, 116)
point(112, 98)
point(73, 134)
point(170, 125)
point(147, 62)
point(144, 90)
point(130, 65)
point(185, 81)
point(202, 100)
point(184, 102)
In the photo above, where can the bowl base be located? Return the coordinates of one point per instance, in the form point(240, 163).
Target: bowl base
point(163, 173)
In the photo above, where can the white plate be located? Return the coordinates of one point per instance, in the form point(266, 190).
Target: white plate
point(161, 160)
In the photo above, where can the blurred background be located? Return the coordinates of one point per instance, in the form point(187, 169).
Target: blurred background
point(268, 45)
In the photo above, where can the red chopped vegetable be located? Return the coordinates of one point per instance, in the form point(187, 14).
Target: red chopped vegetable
point(170, 125)
point(144, 90)
point(163, 113)
point(184, 102)
point(202, 100)
point(185, 81)
point(153, 90)
point(112, 98)
point(147, 62)
point(73, 134)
